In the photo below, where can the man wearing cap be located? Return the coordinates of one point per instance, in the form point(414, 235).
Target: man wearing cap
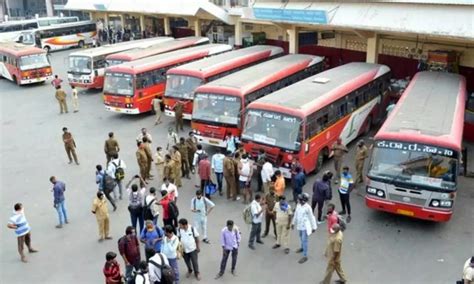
point(361, 155)
point(305, 224)
point(338, 150)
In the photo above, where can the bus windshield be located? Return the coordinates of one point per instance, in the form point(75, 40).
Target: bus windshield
point(413, 163)
point(34, 61)
point(118, 84)
point(181, 86)
point(113, 62)
point(273, 129)
point(80, 64)
point(217, 108)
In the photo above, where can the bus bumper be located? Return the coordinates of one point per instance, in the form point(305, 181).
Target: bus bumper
point(407, 210)
point(170, 113)
point(211, 141)
point(33, 80)
point(123, 110)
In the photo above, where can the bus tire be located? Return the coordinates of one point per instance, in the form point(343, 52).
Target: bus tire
point(80, 44)
point(47, 49)
point(368, 125)
point(15, 80)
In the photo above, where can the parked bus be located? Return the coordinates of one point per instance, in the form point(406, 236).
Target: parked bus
point(130, 87)
point(11, 30)
point(219, 106)
point(24, 64)
point(304, 120)
point(415, 161)
point(139, 53)
point(87, 67)
point(183, 80)
point(469, 119)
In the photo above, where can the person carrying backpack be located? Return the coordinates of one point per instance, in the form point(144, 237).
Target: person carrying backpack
point(152, 237)
point(141, 275)
point(189, 237)
point(201, 207)
point(100, 181)
point(116, 168)
point(159, 270)
point(151, 209)
point(135, 202)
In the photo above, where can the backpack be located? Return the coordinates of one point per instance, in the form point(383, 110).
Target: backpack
point(247, 215)
point(173, 209)
point(134, 200)
point(342, 223)
point(108, 182)
point(136, 273)
point(167, 272)
point(194, 203)
point(200, 156)
point(119, 172)
point(148, 214)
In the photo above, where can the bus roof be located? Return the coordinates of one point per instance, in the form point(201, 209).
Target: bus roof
point(62, 25)
point(169, 58)
point(161, 47)
point(208, 67)
point(255, 77)
point(315, 92)
point(126, 45)
point(430, 111)
point(17, 49)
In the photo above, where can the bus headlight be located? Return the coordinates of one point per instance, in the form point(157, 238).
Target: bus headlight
point(434, 203)
point(446, 203)
point(197, 132)
point(374, 191)
point(380, 193)
point(371, 190)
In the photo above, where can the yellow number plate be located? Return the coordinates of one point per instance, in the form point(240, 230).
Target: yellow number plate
point(117, 109)
point(405, 212)
point(213, 142)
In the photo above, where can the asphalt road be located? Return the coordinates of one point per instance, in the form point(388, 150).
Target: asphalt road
point(378, 247)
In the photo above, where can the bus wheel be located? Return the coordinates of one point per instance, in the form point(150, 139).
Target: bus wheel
point(15, 80)
point(80, 44)
point(47, 49)
point(368, 125)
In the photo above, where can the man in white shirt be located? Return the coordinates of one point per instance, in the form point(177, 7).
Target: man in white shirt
point(305, 224)
point(217, 166)
point(150, 201)
point(154, 267)
point(170, 188)
point(201, 206)
point(144, 133)
point(112, 167)
point(142, 276)
point(266, 175)
point(257, 217)
point(189, 238)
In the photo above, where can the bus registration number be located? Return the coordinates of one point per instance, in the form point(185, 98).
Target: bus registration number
point(213, 142)
point(405, 212)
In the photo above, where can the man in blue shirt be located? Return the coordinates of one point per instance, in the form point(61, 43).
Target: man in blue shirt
point(59, 201)
point(345, 188)
point(299, 182)
point(22, 229)
point(217, 166)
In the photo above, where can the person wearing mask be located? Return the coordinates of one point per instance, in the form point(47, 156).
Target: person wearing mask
point(129, 249)
point(59, 201)
point(189, 238)
point(230, 242)
point(266, 175)
point(217, 166)
point(170, 250)
point(321, 193)
point(345, 188)
point(305, 224)
point(257, 211)
point(112, 269)
point(101, 211)
point(116, 166)
point(152, 237)
point(299, 182)
point(270, 217)
point(201, 207)
point(245, 177)
point(22, 229)
point(284, 214)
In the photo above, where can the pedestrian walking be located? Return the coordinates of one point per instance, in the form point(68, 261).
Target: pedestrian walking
point(334, 259)
point(321, 193)
point(152, 237)
point(201, 207)
point(245, 177)
point(198, 156)
point(299, 182)
point(151, 211)
point(136, 198)
point(204, 171)
point(261, 157)
point(345, 188)
point(178, 115)
point(361, 155)
point(229, 176)
point(257, 210)
point(61, 97)
point(266, 175)
point(217, 166)
point(172, 138)
point(159, 162)
point(56, 82)
point(144, 133)
point(170, 250)
point(116, 169)
point(338, 152)
point(176, 157)
point(189, 238)
point(112, 269)
point(191, 142)
point(305, 224)
point(59, 201)
point(130, 251)
point(70, 146)
point(468, 271)
point(158, 107)
point(230, 242)
point(169, 169)
point(270, 218)
point(111, 147)
point(185, 165)
point(100, 181)
point(75, 99)
point(280, 184)
point(142, 160)
point(284, 215)
point(22, 229)
point(149, 157)
point(101, 211)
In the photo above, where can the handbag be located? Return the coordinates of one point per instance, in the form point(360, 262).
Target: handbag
point(210, 188)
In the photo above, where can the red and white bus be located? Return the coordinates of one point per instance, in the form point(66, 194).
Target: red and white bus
point(469, 119)
point(139, 53)
point(304, 120)
point(415, 161)
point(130, 87)
point(87, 67)
point(24, 64)
point(219, 106)
point(182, 81)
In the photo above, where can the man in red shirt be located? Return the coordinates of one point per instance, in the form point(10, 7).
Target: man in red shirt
point(56, 81)
point(332, 216)
point(112, 269)
point(165, 201)
point(130, 251)
point(204, 171)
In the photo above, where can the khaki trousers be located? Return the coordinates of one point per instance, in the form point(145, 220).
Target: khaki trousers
point(62, 106)
point(334, 265)
point(283, 235)
point(71, 153)
point(230, 186)
point(103, 227)
point(359, 171)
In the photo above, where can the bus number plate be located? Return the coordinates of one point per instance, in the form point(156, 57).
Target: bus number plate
point(405, 212)
point(214, 142)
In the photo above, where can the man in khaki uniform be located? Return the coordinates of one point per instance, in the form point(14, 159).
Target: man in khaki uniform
point(183, 150)
point(160, 163)
point(111, 147)
point(169, 169)
point(339, 150)
point(61, 97)
point(334, 250)
point(361, 155)
point(176, 157)
point(70, 146)
point(149, 157)
point(142, 159)
point(191, 143)
point(229, 176)
point(101, 211)
point(157, 108)
point(178, 114)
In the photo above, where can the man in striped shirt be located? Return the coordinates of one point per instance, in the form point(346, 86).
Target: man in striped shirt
point(22, 229)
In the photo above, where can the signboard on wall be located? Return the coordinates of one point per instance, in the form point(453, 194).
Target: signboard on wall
point(291, 15)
